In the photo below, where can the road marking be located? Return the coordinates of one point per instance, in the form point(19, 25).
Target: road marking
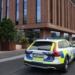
point(11, 58)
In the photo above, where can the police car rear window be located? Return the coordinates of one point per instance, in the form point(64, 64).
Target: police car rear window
point(41, 46)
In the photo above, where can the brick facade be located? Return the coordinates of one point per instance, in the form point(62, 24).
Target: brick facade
point(64, 16)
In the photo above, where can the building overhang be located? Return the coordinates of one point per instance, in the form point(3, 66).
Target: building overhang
point(46, 26)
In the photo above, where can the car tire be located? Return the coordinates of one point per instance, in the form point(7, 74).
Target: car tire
point(66, 65)
point(74, 59)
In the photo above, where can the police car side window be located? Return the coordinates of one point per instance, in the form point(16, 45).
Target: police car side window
point(69, 44)
point(65, 44)
point(60, 44)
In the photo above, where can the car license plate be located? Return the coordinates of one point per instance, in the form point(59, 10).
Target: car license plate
point(38, 55)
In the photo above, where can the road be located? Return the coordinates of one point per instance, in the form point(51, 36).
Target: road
point(17, 67)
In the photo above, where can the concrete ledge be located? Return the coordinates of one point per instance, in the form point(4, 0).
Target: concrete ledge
point(18, 47)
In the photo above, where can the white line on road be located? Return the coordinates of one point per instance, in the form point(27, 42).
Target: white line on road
point(11, 58)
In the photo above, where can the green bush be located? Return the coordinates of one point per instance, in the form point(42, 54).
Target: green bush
point(7, 30)
point(19, 35)
point(24, 40)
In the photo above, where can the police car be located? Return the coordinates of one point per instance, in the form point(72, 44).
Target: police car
point(50, 53)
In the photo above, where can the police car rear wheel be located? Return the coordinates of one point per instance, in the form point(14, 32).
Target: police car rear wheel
point(65, 68)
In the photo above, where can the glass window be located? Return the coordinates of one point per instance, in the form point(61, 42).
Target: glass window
point(60, 12)
point(57, 6)
point(51, 10)
point(25, 12)
point(32, 34)
point(73, 1)
point(38, 11)
point(1, 10)
point(41, 45)
point(61, 44)
point(17, 12)
point(7, 8)
point(66, 44)
point(55, 34)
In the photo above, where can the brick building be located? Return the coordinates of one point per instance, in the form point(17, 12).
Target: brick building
point(41, 17)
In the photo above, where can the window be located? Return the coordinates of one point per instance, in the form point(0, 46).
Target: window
point(73, 1)
point(66, 44)
point(51, 14)
point(24, 11)
point(38, 11)
point(61, 44)
point(17, 12)
point(1, 10)
point(57, 12)
point(60, 12)
point(7, 8)
point(41, 45)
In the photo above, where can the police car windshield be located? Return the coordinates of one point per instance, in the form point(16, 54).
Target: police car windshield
point(41, 45)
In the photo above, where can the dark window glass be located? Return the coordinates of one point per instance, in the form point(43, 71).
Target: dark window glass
point(24, 11)
point(65, 13)
point(51, 10)
point(41, 46)
point(61, 45)
point(73, 1)
point(57, 13)
point(7, 8)
point(1, 10)
point(60, 12)
point(38, 11)
point(17, 12)
point(32, 34)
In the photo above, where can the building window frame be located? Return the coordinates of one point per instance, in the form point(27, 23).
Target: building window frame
point(38, 11)
point(24, 11)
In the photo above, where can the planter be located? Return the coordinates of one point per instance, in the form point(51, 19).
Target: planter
point(25, 46)
point(8, 46)
point(18, 47)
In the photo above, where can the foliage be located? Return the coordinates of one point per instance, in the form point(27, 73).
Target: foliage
point(7, 30)
point(19, 35)
point(24, 40)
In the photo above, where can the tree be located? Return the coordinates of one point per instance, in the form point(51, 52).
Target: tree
point(7, 30)
point(19, 35)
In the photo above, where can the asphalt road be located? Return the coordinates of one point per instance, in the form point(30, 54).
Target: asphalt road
point(17, 67)
point(10, 66)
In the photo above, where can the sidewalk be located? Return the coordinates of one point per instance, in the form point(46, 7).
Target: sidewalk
point(7, 54)
point(10, 51)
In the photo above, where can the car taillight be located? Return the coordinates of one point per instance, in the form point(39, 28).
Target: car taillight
point(27, 52)
point(56, 54)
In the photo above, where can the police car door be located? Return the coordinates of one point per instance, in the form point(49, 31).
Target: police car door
point(72, 49)
point(68, 47)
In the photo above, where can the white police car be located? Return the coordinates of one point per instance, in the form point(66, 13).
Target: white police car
point(50, 53)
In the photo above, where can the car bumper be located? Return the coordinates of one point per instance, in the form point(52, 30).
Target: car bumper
point(43, 66)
